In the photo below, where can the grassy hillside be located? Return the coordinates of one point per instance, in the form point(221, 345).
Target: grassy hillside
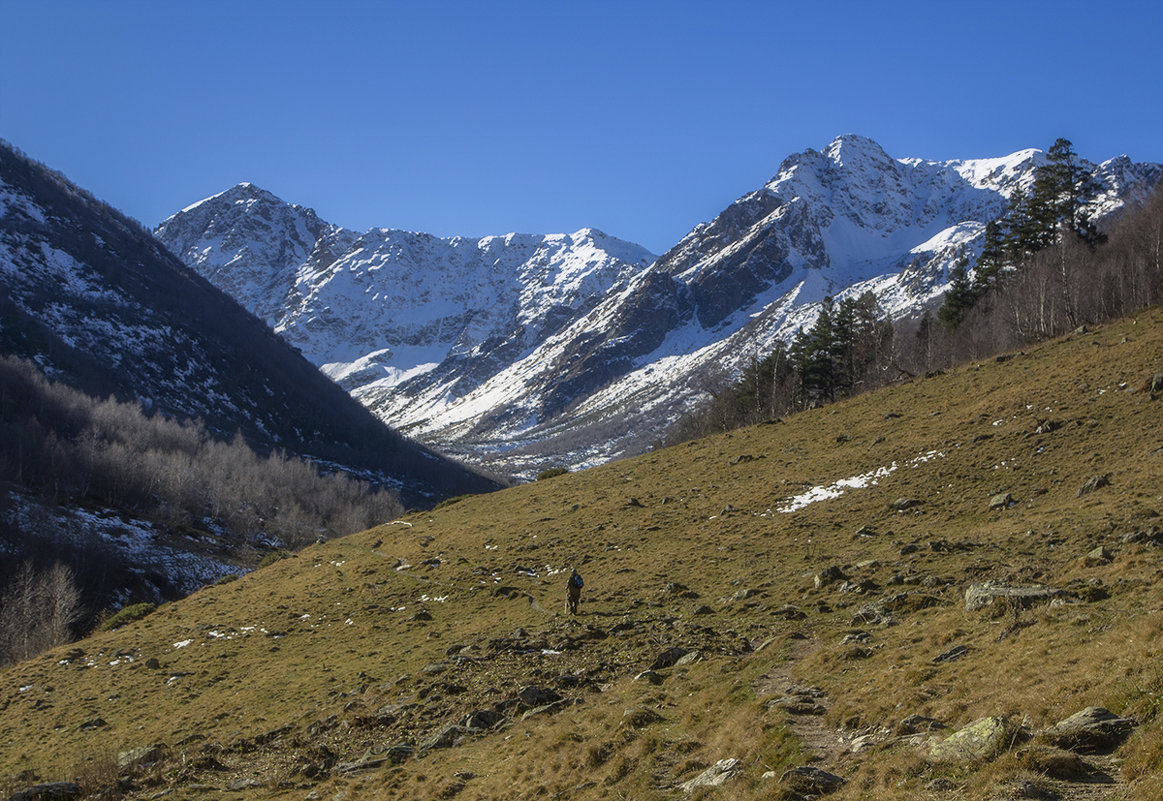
point(344, 671)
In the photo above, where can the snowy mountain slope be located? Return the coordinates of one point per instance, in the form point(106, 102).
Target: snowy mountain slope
point(99, 303)
point(600, 375)
point(387, 305)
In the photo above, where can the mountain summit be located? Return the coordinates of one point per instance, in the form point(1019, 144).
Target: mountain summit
point(525, 351)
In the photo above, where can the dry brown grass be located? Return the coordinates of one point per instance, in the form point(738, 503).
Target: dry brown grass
point(305, 653)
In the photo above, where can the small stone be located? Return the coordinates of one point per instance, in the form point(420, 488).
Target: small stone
point(829, 575)
point(1094, 483)
point(534, 696)
point(952, 654)
point(1003, 500)
point(668, 658)
point(1099, 556)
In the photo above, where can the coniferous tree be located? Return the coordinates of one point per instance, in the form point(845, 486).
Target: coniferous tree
point(959, 298)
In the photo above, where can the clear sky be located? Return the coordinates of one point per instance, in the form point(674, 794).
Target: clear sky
point(486, 116)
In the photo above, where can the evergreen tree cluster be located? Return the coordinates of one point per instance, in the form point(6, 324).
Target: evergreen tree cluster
point(1052, 207)
point(833, 359)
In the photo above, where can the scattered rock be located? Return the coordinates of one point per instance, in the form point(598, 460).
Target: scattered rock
point(790, 612)
point(1099, 556)
point(446, 737)
point(714, 776)
point(93, 723)
point(915, 724)
point(246, 783)
point(534, 696)
point(1093, 483)
point(702, 609)
point(741, 595)
point(956, 652)
point(483, 719)
point(1003, 500)
point(979, 596)
point(548, 709)
point(1047, 426)
point(830, 575)
point(810, 781)
point(650, 676)
point(399, 753)
point(904, 504)
point(152, 663)
point(1091, 731)
point(142, 755)
point(982, 739)
point(668, 658)
point(635, 503)
point(742, 458)
point(1152, 536)
point(873, 613)
point(53, 791)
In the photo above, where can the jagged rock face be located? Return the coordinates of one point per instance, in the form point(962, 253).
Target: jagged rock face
point(573, 349)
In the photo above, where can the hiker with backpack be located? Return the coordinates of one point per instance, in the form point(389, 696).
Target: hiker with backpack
point(573, 592)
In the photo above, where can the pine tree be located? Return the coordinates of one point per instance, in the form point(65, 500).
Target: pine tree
point(959, 298)
point(992, 258)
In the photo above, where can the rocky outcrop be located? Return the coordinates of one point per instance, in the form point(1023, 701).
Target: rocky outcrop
point(979, 596)
point(980, 740)
point(1093, 730)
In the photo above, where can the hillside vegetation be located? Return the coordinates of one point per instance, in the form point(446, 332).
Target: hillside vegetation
point(788, 595)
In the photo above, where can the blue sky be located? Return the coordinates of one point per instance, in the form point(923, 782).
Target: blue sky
point(473, 118)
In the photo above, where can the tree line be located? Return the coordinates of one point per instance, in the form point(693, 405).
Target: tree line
point(69, 446)
point(1046, 269)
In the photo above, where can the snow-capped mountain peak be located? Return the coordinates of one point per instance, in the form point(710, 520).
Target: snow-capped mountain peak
point(528, 350)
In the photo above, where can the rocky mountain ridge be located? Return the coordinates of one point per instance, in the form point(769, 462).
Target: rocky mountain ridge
point(606, 345)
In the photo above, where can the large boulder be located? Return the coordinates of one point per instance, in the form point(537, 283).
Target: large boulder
point(1093, 730)
point(983, 739)
point(979, 596)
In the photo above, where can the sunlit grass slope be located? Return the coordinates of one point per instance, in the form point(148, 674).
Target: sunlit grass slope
point(336, 670)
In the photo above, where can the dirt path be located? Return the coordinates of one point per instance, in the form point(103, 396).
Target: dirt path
point(806, 707)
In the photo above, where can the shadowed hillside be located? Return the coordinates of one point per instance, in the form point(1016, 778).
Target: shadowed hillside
point(785, 603)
